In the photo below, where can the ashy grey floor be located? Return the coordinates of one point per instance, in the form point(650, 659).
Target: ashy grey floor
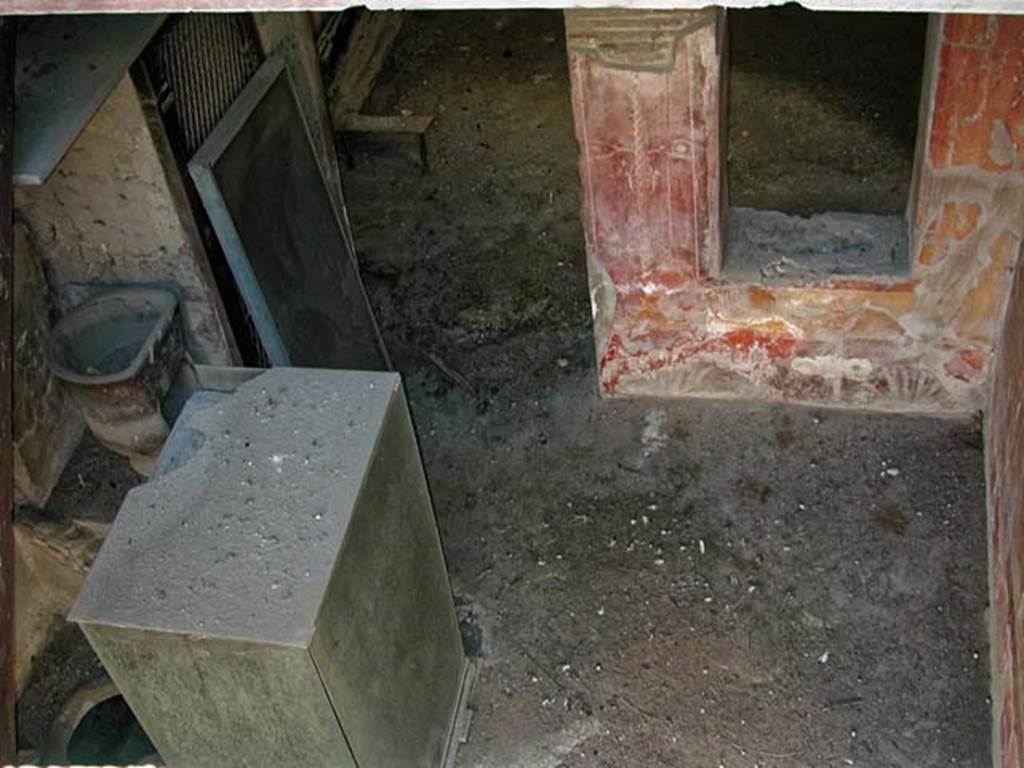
point(681, 583)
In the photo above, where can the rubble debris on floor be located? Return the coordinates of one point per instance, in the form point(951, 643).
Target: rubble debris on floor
point(83, 504)
point(703, 584)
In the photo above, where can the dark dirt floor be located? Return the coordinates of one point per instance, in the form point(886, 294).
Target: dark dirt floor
point(702, 584)
point(645, 583)
point(649, 583)
point(823, 109)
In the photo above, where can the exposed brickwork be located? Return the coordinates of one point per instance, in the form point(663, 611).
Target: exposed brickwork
point(666, 324)
point(979, 113)
point(1005, 458)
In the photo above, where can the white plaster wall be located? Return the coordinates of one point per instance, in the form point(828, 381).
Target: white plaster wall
point(106, 216)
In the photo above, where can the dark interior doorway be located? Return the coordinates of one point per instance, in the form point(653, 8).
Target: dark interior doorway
point(823, 109)
point(822, 119)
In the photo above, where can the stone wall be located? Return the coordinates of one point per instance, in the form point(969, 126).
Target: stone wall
point(649, 111)
point(46, 425)
point(106, 215)
point(1005, 467)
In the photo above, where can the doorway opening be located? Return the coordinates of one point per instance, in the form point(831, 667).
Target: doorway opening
point(822, 129)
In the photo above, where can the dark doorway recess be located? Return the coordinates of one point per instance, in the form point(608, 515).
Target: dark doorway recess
point(822, 129)
point(823, 109)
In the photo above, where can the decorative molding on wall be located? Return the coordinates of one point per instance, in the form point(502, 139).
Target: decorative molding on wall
point(638, 42)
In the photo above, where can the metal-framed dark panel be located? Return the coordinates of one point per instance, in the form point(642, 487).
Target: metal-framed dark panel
point(263, 189)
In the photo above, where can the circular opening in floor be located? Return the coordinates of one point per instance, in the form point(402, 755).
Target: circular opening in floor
point(109, 734)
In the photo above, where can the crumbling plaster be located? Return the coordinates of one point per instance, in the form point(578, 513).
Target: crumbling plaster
point(47, 426)
point(106, 216)
point(649, 122)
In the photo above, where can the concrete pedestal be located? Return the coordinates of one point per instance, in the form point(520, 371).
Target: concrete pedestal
point(277, 594)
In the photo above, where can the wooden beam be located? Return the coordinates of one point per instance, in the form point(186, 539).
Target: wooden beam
point(359, 66)
point(412, 124)
point(7, 689)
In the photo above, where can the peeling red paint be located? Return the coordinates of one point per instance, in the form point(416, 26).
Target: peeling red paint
point(956, 222)
point(650, 163)
point(967, 365)
point(747, 339)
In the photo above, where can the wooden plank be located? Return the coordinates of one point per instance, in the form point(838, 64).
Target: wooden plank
point(66, 69)
point(355, 123)
point(358, 68)
point(7, 688)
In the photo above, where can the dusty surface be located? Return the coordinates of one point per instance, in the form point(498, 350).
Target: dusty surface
point(489, 244)
point(93, 484)
point(647, 583)
point(245, 576)
point(836, 612)
point(774, 247)
point(573, 526)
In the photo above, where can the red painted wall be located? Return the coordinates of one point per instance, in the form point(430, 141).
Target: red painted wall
point(665, 324)
point(1005, 465)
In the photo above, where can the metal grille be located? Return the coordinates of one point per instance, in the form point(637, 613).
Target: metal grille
point(198, 64)
point(205, 60)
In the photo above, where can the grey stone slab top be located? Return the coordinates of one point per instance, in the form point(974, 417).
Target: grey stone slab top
point(237, 537)
point(67, 66)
